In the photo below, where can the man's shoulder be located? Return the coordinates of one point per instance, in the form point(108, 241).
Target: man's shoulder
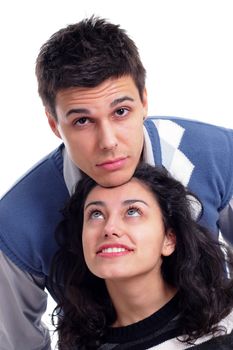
point(194, 134)
point(30, 211)
point(40, 173)
point(186, 123)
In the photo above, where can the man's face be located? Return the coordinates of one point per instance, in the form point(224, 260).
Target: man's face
point(102, 128)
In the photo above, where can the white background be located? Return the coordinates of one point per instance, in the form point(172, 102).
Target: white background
point(185, 45)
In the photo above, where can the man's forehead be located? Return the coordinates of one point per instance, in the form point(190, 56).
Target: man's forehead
point(110, 87)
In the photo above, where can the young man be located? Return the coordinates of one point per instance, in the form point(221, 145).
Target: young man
point(92, 84)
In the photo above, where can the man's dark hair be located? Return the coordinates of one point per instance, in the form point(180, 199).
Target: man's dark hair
point(84, 55)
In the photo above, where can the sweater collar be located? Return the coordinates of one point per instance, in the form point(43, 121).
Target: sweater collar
point(153, 323)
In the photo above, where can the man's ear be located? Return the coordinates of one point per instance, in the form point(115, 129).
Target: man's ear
point(52, 123)
point(169, 244)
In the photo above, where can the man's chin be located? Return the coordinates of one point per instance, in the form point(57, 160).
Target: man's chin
point(114, 180)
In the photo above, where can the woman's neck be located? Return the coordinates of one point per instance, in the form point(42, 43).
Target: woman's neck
point(136, 299)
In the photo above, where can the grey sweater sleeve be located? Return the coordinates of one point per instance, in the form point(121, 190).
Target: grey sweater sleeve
point(22, 304)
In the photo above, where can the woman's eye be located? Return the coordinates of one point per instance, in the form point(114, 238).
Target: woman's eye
point(96, 215)
point(133, 212)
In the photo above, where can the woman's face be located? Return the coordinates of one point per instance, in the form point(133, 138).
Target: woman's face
point(123, 232)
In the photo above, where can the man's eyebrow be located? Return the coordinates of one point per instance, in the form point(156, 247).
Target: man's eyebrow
point(77, 111)
point(101, 203)
point(120, 100)
point(87, 111)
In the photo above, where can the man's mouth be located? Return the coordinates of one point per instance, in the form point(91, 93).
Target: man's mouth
point(113, 164)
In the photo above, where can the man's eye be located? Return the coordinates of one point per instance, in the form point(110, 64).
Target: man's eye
point(82, 121)
point(121, 112)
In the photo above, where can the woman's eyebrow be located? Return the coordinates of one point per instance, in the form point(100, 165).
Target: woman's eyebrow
point(101, 203)
point(131, 201)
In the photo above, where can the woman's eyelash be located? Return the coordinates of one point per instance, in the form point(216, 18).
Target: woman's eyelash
point(94, 213)
point(91, 212)
point(135, 208)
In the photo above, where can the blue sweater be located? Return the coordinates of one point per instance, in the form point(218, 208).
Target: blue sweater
point(200, 155)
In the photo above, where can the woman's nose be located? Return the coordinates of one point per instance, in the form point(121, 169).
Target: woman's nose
point(113, 228)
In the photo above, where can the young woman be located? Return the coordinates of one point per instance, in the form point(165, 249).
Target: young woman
point(138, 271)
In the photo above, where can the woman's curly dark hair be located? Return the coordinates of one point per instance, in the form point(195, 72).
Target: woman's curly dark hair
point(197, 268)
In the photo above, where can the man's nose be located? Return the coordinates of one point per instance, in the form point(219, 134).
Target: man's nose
point(107, 137)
